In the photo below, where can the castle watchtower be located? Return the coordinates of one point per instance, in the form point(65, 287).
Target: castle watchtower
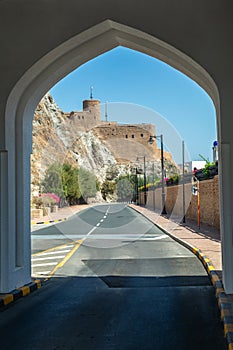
point(92, 107)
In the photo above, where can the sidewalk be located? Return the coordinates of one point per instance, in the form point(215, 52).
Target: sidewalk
point(61, 214)
point(207, 238)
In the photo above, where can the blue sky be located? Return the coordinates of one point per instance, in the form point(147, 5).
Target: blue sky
point(126, 78)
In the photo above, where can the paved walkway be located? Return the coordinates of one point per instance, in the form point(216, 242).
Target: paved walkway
point(207, 238)
point(62, 213)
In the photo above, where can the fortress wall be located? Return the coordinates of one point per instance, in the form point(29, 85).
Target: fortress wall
point(130, 140)
point(83, 120)
point(128, 133)
point(149, 127)
point(127, 150)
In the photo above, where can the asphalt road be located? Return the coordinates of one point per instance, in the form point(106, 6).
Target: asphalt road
point(126, 285)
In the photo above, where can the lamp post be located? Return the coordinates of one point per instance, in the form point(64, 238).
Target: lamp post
point(153, 168)
point(162, 169)
point(183, 185)
point(144, 177)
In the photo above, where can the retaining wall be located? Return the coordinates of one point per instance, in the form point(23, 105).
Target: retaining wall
point(209, 201)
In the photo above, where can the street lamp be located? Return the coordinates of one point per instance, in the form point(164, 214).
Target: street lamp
point(183, 186)
point(162, 169)
point(144, 172)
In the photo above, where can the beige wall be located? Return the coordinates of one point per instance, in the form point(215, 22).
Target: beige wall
point(209, 201)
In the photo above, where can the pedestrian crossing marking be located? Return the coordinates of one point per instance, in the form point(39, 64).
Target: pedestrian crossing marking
point(54, 257)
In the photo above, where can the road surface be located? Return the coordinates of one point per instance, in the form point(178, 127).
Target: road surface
point(124, 285)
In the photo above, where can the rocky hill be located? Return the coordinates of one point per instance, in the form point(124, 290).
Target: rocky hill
point(57, 138)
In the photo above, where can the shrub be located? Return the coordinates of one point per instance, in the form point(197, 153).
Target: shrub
point(46, 199)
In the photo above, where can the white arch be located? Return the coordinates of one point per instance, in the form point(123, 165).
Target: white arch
point(24, 98)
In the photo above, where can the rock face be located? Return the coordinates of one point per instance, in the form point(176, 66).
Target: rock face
point(58, 138)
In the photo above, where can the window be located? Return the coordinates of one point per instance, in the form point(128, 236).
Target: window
point(141, 135)
point(126, 136)
point(132, 136)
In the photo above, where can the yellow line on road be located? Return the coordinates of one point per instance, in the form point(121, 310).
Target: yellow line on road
point(66, 258)
point(55, 248)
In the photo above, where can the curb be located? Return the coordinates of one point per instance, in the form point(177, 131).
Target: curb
point(224, 303)
point(47, 222)
point(9, 298)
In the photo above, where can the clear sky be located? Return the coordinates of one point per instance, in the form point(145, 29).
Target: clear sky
point(140, 89)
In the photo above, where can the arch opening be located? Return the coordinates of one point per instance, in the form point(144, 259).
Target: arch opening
point(46, 73)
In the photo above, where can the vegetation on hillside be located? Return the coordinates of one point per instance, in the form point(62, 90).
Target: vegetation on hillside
point(70, 184)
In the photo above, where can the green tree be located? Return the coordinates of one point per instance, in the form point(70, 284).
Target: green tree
point(53, 180)
point(125, 188)
point(87, 183)
point(70, 182)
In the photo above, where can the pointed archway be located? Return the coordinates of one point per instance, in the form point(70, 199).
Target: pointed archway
point(24, 97)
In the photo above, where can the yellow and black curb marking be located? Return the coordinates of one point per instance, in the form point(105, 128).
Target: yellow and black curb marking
point(8, 298)
point(224, 303)
point(23, 291)
point(47, 222)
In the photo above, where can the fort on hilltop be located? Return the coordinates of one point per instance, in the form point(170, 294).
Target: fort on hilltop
point(126, 141)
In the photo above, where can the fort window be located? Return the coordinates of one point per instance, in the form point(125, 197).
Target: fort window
point(126, 136)
point(132, 136)
point(141, 135)
point(79, 117)
point(82, 117)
